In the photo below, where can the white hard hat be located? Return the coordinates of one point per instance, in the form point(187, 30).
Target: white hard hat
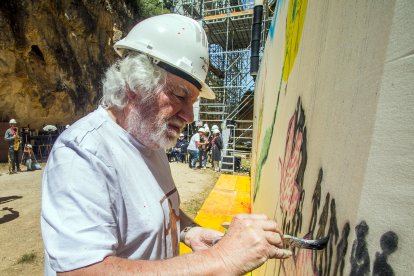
point(201, 129)
point(181, 134)
point(176, 43)
point(214, 127)
point(216, 130)
point(12, 121)
point(29, 146)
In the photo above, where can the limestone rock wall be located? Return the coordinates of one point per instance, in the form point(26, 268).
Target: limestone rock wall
point(53, 55)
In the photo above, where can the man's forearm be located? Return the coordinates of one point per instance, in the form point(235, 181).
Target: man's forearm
point(197, 263)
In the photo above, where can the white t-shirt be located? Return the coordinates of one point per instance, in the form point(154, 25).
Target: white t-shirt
point(105, 194)
point(192, 145)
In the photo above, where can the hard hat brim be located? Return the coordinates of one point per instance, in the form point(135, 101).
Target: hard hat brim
point(207, 92)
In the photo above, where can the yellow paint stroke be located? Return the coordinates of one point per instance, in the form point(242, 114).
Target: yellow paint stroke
point(294, 24)
point(295, 20)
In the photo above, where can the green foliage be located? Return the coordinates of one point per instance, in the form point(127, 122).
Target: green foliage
point(148, 8)
point(27, 258)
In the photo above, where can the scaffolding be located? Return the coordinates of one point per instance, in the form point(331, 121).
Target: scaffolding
point(228, 24)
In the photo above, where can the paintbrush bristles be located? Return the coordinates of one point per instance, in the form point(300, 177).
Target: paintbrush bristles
point(306, 244)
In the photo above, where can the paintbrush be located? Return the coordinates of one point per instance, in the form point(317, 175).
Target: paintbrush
point(318, 244)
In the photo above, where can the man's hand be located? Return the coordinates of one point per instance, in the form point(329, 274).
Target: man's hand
point(251, 240)
point(198, 238)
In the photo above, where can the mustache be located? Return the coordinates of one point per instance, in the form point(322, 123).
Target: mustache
point(177, 123)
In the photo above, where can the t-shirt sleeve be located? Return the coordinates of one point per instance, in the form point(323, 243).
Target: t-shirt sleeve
point(78, 214)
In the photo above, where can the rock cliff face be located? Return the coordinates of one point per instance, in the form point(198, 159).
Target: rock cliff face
point(53, 55)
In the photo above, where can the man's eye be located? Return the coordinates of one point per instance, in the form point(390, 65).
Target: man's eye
point(180, 97)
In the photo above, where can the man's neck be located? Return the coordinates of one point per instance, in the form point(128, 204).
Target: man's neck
point(116, 116)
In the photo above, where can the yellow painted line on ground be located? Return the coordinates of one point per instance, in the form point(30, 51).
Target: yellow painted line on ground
point(230, 196)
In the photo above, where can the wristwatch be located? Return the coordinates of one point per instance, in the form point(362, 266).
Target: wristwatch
point(185, 230)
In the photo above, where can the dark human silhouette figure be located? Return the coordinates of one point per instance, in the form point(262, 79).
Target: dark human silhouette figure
point(360, 264)
point(8, 217)
point(333, 234)
point(389, 243)
point(323, 221)
point(341, 250)
point(316, 201)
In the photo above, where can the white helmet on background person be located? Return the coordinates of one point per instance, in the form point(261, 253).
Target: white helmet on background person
point(181, 134)
point(216, 130)
point(214, 127)
point(201, 129)
point(12, 121)
point(175, 43)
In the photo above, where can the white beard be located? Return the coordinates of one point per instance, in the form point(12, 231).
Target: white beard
point(145, 125)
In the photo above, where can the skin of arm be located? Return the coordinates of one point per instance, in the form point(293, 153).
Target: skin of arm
point(198, 263)
point(251, 240)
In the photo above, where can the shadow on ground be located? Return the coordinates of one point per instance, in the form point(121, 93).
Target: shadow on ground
point(12, 214)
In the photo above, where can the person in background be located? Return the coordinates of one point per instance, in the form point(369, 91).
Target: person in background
point(212, 131)
point(202, 150)
point(208, 158)
point(180, 148)
point(193, 148)
point(28, 158)
point(109, 202)
point(13, 139)
point(216, 147)
point(170, 154)
point(177, 153)
point(206, 129)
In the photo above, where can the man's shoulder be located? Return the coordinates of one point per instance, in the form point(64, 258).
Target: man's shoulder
point(83, 128)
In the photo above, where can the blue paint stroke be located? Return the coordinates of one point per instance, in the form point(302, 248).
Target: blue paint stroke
point(275, 15)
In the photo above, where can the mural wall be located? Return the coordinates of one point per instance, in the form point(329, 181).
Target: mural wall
point(334, 135)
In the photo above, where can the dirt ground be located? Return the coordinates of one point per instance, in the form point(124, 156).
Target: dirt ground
point(21, 248)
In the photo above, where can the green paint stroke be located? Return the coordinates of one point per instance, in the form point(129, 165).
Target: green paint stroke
point(267, 140)
point(294, 24)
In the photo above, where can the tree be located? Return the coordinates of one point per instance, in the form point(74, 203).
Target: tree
point(148, 8)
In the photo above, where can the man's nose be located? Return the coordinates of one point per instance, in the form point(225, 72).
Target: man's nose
point(187, 114)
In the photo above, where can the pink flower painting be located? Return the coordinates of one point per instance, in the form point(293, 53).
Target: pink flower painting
point(290, 190)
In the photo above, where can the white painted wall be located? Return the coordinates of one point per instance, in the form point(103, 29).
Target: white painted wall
point(352, 73)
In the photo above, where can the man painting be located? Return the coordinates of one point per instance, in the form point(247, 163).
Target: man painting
point(109, 203)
